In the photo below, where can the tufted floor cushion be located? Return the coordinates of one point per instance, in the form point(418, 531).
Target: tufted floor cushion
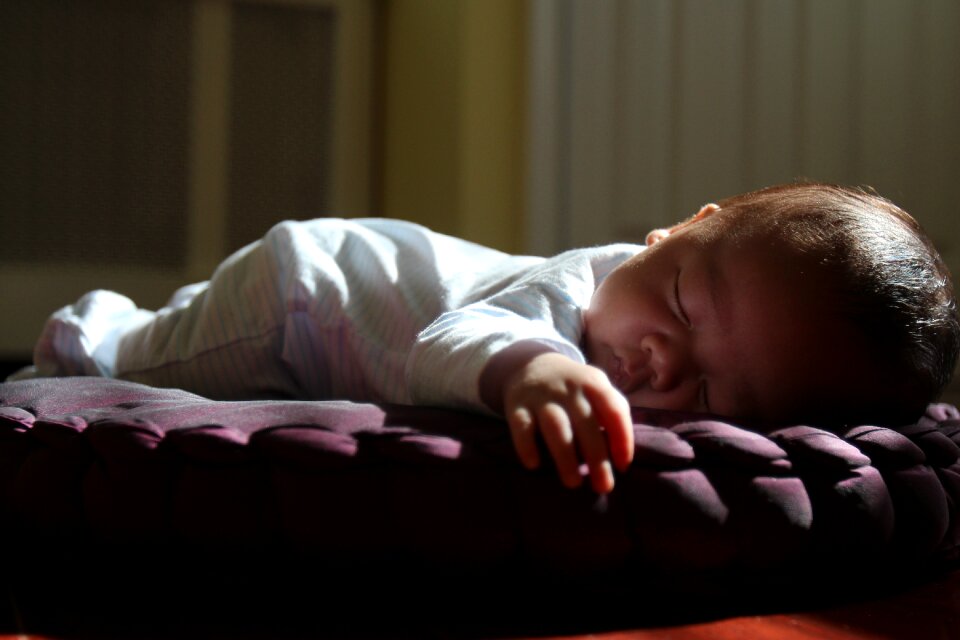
point(90, 459)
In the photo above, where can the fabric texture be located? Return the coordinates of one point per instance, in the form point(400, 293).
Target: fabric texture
point(369, 309)
point(123, 462)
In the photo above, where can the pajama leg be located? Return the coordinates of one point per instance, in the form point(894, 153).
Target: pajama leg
point(221, 339)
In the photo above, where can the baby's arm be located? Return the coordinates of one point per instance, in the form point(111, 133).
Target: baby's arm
point(573, 407)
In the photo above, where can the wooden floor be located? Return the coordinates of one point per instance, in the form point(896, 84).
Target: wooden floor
point(928, 612)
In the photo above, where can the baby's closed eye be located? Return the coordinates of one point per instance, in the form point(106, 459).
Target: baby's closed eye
point(678, 301)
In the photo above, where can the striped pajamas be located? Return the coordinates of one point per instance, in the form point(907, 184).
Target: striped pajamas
point(368, 310)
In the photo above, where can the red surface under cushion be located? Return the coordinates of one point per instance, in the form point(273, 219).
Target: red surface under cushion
point(125, 462)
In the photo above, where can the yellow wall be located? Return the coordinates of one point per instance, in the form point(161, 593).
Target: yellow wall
point(453, 117)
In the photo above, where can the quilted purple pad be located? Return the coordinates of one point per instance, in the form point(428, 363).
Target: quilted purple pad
point(124, 462)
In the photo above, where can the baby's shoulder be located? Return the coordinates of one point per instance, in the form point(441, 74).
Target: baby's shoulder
point(605, 254)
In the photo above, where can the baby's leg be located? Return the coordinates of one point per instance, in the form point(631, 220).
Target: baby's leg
point(81, 339)
point(221, 339)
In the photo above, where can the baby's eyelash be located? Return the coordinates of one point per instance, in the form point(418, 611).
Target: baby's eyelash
point(704, 401)
point(676, 299)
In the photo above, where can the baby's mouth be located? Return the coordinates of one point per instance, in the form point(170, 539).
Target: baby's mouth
point(617, 374)
point(623, 378)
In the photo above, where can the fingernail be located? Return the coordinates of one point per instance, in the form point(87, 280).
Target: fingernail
point(607, 471)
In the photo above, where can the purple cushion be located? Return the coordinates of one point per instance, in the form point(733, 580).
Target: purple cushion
point(123, 462)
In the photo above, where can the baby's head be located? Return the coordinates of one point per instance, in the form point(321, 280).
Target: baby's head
point(800, 302)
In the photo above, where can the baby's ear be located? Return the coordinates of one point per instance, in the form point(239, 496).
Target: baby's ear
point(705, 212)
point(657, 235)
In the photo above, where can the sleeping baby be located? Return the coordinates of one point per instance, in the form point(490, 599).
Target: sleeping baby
point(797, 303)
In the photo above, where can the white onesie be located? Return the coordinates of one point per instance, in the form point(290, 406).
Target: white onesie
point(370, 310)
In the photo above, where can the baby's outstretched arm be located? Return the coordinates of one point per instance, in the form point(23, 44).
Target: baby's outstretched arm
point(573, 407)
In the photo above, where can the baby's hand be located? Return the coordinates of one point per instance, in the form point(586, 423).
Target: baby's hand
point(577, 412)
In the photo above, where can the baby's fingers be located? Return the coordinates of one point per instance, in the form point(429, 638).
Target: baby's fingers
point(523, 431)
point(592, 443)
point(557, 433)
point(613, 411)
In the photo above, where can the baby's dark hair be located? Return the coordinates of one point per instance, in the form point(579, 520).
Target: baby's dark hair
point(891, 284)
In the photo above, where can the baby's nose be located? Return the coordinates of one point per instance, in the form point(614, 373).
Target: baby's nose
point(666, 361)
